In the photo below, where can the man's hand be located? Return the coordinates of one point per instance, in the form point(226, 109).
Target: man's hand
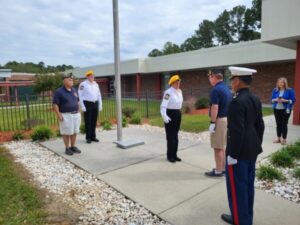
point(212, 128)
point(60, 117)
point(166, 119)
point(231, 161)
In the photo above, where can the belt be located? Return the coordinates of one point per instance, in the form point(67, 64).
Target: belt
point(91, 101)
point(74, 112)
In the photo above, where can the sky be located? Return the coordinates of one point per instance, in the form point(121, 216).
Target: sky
point(80, 32)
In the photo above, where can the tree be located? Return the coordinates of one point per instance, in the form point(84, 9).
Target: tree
point(222, 29)
point(170, 48)
point(190, 44)
point(237, 15)
point(155, 52)
point(205, 34)
point(46, 82)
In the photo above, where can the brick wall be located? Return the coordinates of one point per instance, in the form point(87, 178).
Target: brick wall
point(195, 82)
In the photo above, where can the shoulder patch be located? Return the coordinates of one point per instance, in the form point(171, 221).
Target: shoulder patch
point(167, 96)
point(81, 87)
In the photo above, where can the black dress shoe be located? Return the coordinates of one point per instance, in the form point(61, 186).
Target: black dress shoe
point(89, 141)
point(178, 159)
point(95, 140)
point(75, 149)
point(69, 151)
point(227, 218)
point(171, 160)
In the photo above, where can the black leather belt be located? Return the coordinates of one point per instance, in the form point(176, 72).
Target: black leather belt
point(91, 101)
point(74, 112)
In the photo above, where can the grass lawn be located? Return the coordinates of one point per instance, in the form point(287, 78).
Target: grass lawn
point(19, 201)
point(195, 123)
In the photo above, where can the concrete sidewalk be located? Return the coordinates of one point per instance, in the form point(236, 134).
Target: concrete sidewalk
point(178, 193)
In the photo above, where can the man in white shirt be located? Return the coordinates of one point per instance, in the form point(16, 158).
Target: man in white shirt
point(90, 103)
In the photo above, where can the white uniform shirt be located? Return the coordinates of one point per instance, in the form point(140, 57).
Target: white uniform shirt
point(172, 100)
point(89, 91)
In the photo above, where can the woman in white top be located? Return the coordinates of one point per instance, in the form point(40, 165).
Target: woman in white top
point(171, 114)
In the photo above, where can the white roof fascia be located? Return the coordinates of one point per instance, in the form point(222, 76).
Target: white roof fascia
point(251, 52)
point(234, 54)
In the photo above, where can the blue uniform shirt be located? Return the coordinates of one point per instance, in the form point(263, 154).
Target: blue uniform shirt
point(220, 95)
point(67, 101)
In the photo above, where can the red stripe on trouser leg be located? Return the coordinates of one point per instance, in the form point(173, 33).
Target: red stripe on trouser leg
point(233, 195)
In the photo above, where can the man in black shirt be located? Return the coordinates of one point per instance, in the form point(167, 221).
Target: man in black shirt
point(244, 140)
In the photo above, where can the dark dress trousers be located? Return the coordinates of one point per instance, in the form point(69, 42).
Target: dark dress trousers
point(244, 140)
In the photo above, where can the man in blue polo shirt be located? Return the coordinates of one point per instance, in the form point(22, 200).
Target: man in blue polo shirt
point(220, 97)
point(66, 107)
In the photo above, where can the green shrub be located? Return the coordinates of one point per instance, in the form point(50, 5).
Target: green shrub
point(282, 158)
point(293, 150)
point(128, 112)
point(82, 128)
point(41, 133)
point(18, 136)
point(106, 125)
point(297, 172)
point(124, 121)
point(136, 119)
point(269, 173)
point(202, 103)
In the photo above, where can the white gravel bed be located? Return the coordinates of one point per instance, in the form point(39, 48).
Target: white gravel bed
point(288, 189)
point(99, 203)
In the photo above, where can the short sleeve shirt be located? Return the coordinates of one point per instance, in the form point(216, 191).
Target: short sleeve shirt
point(66, 100)
point(220, 95)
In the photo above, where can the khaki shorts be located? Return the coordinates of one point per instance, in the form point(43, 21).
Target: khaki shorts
point(219, 138)
point(70, 124)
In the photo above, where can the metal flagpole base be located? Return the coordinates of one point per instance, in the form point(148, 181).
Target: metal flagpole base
point(128, 143)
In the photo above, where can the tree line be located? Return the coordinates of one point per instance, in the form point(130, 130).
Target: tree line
point(236, 25)
point(39, 68)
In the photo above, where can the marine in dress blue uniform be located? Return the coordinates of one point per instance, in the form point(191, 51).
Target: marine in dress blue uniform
point(90, 103)
point(171, 114)
point(244, 140)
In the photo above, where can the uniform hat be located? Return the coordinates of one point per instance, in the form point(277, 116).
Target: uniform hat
point(240, 71)
point(88, 73)
point(67, 75)
point(173, 79)
point(215, 71)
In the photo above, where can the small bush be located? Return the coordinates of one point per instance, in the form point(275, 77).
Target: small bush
point(128, 112)
point(293, 150)
point(18, 136)
point(282, 158)
point(136, 119)
point(124, 121)
point(82, 128)
point(106, 125)
point(41, 133)
point(269, 173)
point(202, 103)
point(297, 172)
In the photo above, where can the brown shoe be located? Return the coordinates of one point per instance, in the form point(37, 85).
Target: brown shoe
point(283, 142)
point(277, 141)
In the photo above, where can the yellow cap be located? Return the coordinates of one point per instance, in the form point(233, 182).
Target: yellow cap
point(173, 79)
point(88, 73)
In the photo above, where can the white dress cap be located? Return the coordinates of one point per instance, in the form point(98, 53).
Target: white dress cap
point(241, 71)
